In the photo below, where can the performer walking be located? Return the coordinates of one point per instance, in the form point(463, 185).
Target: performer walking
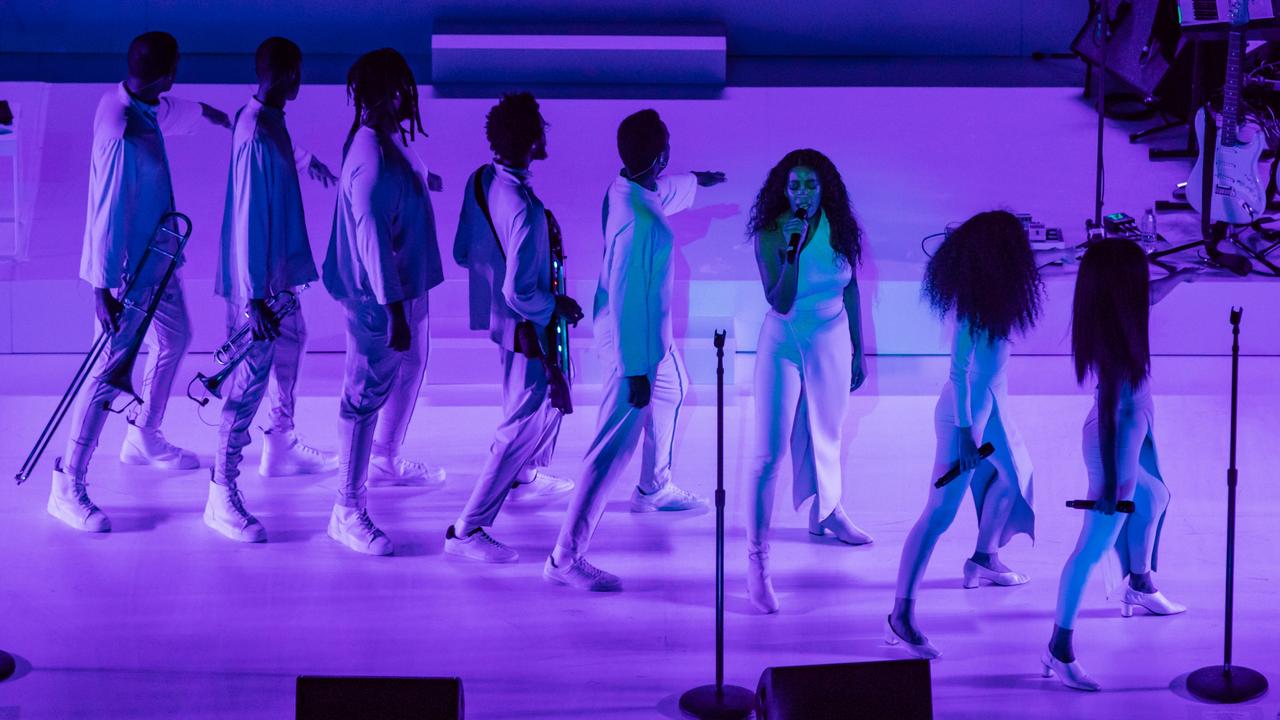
point(1109, 341)
point(503, 237)
point(810, 353)
point(265, 251)
point(985, 275)
point(129, 191)
point(632, 322)
point(382, 260)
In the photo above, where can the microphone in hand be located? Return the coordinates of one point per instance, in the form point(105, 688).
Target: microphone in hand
point(793, 247)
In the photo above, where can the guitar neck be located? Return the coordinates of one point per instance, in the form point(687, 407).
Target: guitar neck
point(1231, 115)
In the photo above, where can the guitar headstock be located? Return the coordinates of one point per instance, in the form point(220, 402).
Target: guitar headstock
point(1239, 13)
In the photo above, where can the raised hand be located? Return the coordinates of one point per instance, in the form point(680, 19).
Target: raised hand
point(707, 179)
point(215, 116)
point(320, 172)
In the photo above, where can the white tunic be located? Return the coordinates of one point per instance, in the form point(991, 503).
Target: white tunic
point(265, 248)
point(975, 396)
point(383, 245)
point(520, 219)
point(632, 308)
point(129, 183)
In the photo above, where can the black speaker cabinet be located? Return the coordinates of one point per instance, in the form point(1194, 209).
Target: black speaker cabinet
point(378, 698)
point(897, 689)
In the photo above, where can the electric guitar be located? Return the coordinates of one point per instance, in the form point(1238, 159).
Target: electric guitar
point(1238, 196)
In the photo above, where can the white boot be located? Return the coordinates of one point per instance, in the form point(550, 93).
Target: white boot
point(353, 528)
point(69, 502)
point(284, 453)
point(225, 513)
point(147, 446)
point(759, 584)
point(839, 524)
point(395, 470)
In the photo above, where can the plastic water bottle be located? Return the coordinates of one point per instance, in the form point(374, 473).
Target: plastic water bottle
point(1148, 230)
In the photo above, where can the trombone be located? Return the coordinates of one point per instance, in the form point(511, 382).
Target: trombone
point(139, 300)
point(236, 348)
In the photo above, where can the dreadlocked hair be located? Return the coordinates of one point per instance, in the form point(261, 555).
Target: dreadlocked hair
point(373, 82)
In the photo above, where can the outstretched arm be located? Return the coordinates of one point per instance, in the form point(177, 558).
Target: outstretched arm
point(1161, 287)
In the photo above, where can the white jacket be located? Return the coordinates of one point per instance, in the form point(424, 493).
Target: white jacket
point(264, 230)
point(632, 308)
point(129, 183)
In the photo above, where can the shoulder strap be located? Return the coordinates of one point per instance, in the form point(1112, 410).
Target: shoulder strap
point(482, 201)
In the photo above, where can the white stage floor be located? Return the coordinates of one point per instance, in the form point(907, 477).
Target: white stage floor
point(164, 619)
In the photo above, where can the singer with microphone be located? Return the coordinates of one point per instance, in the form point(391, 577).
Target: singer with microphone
point(1109, 341)
point(809, 356)
point(985, 276)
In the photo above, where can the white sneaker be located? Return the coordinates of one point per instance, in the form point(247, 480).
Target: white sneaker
point(669, 499)
point(478, 545)
point(224, 512)
point(69, 502)
point(353, 528)
point(544, 487)
point(287, 454)
point(147, 446)
point(386, 470)
point(581, 575)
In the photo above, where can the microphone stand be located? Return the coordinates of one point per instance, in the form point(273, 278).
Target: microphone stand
point(1095, 230)
point(1227, 683)
point(719, 701)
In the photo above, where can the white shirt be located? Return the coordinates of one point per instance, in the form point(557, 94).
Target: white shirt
point(129, 183)
point(383, 245)
point(520, 220)
point(632, 309)
point(264, 230)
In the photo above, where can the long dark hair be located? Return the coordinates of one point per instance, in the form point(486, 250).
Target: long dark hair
point(771, 204)
point(1109, 316)
point(373, 81)
point(986, 272)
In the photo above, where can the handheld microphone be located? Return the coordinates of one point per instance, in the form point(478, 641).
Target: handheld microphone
point(1123, 506)
point(984, 452)
point(802, 213)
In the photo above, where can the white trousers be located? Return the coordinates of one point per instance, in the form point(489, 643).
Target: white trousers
point(525, 438)
point(618, 429)
point(276, 363)
point(166, 341)
point(803, 372)
point(379, 390)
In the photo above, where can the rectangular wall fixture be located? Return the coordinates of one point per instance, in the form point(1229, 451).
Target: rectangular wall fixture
point(578, 59)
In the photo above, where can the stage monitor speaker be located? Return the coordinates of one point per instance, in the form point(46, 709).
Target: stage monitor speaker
point(378, 698)
point(898, 689)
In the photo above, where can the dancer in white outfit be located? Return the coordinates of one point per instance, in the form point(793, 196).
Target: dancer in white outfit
point(1109, 341)
point(534, 391)
point(381, 262)
point(265, 251)
point(810, 353)
point(984, 275)
point(129, 191)
point(632, 320)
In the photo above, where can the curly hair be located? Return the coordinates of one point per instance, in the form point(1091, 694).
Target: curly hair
point(772, 205)
point(514, 125)
point(1110, 313)
point(986, 273)
point(374, 79)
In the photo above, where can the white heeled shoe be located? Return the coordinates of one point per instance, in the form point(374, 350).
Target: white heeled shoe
point(923, 650)
point(974, 574)
point(1155, 603)
point(839, 524)
point(759, 584)
point(1071, 674)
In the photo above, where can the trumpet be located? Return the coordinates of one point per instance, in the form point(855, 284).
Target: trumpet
point(236, 348)
point(140, 301)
